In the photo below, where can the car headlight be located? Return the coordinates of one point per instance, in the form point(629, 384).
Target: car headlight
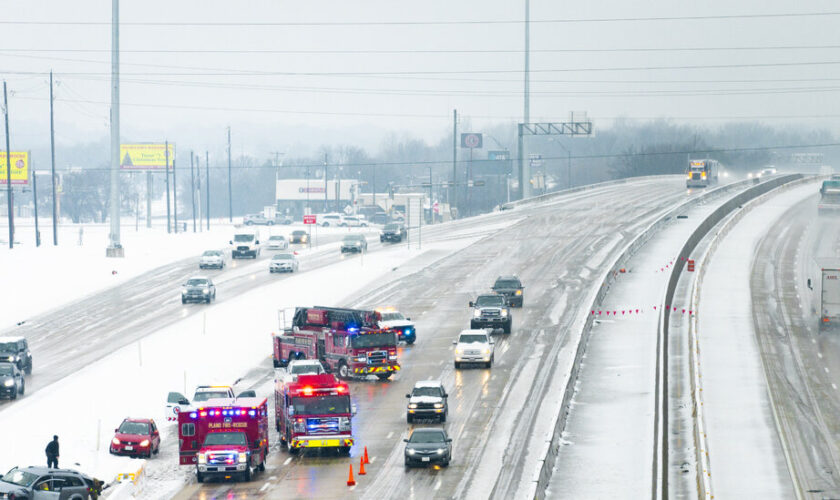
point(144, 443)
point(412, 405)
point(458, 350)
point(115, 441)
point(202, 458)
point(440, 451)
point(438, 405)
point(243, 457)
point(504, 313)
point(206, 291)
point(410, 451)
point(392, 357)
point(10, 382)
point(359, 359)
point(476, 313)
point(519, 292)
point(487, 350)
point(183, 292)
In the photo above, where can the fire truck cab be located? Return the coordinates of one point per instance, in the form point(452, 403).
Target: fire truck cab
point(313, 411)
point(224, 437)
point(346, 341)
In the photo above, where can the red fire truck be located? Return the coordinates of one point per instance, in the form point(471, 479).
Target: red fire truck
point(313, 411)
point(347, 341)
point(224, 437)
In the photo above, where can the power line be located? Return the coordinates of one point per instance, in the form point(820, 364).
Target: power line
point(234, 24)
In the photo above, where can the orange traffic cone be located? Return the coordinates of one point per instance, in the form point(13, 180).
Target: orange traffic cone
point(350, 480)
point(367, 460)
point(362, 466)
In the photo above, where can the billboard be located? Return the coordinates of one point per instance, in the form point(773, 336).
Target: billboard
point(145, 156)
point(314, 189)
point(471, 140)
point(20, 167)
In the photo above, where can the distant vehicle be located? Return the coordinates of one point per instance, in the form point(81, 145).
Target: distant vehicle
point(354, 221)
point(258, 219)
point(491, 311)
point(829, 197)
point(830, 299)
point(16, 350)
point(277, 242)
point(304, 367)
point(299, 236)
point(474, 346)
point(428, 445)
point(355, 243)
point(198, 289)
point(12, 384)
point(136, 437)
point(283, 263)
point(327, 220)
point(511, 288)
point(212, 259)
point(394, 320)
point(428, 399)
point(702, 173)
point(392, 233)
point(208, 392)
point(41, 483)
point(246, 243)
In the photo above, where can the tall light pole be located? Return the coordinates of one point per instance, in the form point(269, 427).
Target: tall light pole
point(115, 249)
point(9, 198)
point(524, 167)
point(52, 167)
point(230, 182)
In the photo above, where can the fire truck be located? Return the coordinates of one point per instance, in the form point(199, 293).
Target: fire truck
point(347, 341)
point(313, 411)
point(224, 437)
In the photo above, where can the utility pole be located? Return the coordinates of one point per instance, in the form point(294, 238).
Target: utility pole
point(326, 194)
point(174, 196)
point(35, 201)
point(115, 249)
point(374, 188)
point(453, 193)
point(207, 174)
point(168, 224)
point(197, 189)
point(9, 198)
point(192, 187)
point(431, 202)
point(230, 183)
point(52, 167)
point(149, 199)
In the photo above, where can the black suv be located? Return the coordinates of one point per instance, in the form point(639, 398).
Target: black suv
point(427, 400)
point(11, 381)
point(491, 311)
point(393, 233)
point(511, 288)
point(16, 350)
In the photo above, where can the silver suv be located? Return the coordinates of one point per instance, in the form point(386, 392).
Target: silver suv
point(37, 483)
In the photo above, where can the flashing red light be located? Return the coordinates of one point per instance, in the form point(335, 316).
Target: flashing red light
point(307, 391)
point(340, 389)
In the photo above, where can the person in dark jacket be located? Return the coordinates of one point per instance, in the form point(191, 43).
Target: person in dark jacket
point(52, 453)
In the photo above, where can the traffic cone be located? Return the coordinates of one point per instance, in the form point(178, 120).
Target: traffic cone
point(350, 480)
point(367, 460)
point(362, 466)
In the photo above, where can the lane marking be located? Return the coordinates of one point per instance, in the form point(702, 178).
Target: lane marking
point(373, 459)
point(834, 386)
point(437, 485)
point(264, 487)
point(287, 461)
point(819, 355)
point(390, 435)
point(825, 368)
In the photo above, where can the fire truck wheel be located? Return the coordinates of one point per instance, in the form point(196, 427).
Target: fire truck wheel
point(199, 477)
point(246, 476)
point(293, 451)
point(261, 467)
point(343, 370)
point(344, 450)
point(384, 376)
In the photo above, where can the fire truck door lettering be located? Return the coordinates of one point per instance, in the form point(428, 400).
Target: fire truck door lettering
point(225, 425)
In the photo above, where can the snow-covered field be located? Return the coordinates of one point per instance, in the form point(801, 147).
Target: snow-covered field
point(219, 346)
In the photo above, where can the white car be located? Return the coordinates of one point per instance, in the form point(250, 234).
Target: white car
point(474, 346)
point(277, 242)
point(328, 220)
point(283, 263)
point(212, 259)
point(396, 321)
point(354, 221)
point(303, 367)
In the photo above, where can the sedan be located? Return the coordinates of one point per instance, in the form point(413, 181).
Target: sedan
point(283, 263)
point(212, 259)
point(11, 381)
point(299, 236)
point(277, 242)
point(354, 243)
point(198, 289)
point(136, 437)
point(428, 445)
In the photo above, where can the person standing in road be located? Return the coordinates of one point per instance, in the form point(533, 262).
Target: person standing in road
point(52, 453)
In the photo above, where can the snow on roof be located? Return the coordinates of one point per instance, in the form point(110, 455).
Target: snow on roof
point(428, 383)
point(11, 339)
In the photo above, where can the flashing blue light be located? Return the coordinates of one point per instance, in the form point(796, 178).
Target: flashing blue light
point(252, 413)
point(352, 329)
point(193, 415)
point(212, 412)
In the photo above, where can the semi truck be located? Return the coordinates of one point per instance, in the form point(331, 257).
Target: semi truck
point(702, 173)
point(829, 197)
point(830, 298)
point(224, 437)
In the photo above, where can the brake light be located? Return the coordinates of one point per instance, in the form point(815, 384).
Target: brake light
point(340, 389)
point(307, 391)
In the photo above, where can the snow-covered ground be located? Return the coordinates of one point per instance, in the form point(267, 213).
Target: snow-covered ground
point(37, 279)
point(218, 346)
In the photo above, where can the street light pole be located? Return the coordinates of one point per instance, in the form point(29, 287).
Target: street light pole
point(9, 198)
point(35, 203)
point(52, 157)
point(115, 248)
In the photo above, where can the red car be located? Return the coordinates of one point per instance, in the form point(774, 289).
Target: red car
point(136, 437)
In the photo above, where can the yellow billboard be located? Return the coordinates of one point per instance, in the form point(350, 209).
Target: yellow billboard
point(20, 167)
point(145, 156)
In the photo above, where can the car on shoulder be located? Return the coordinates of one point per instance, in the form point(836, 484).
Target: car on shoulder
point(511, 288)
point(392, 319)
point(42, 483)
point(328, 220)
point(198, 289)
point(207, 392)
point(277, 242)
point(136, 437)
point(212, 259)
point(491, 311)
point(257, 219)
point(354, 243)
point(299, 236)
point(393, 232)
point(12, 384)
point(297, 367)
point(16, 350)
point(474, 346)
point(428, 446)
point(428, 400)
point(283, 263)
point(354, 221)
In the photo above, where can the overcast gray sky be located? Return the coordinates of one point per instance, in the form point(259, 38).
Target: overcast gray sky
point(287, 86)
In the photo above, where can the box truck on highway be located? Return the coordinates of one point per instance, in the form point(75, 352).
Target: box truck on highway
point(830, 298)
